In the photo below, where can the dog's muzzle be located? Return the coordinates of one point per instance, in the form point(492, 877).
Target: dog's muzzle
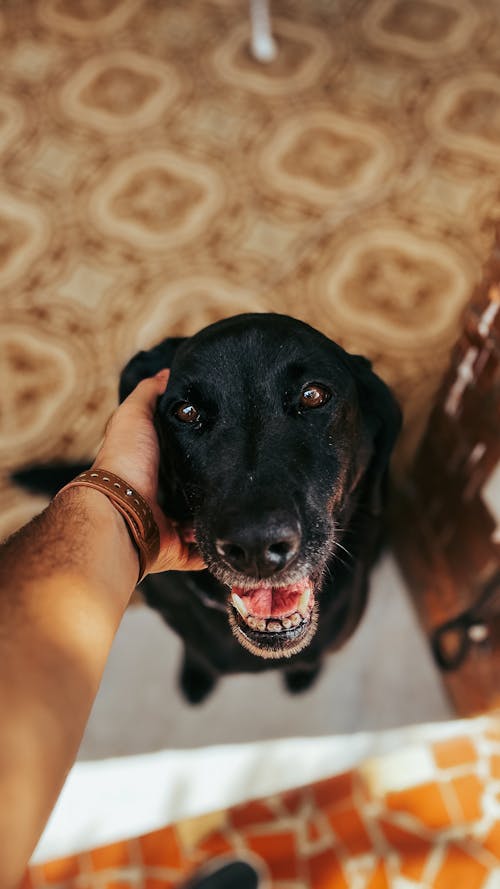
point(270, 621)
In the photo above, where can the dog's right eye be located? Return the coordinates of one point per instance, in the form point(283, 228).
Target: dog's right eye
point(187, 413)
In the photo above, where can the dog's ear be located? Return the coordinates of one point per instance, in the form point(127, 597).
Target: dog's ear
point(147, 364)
point(382, 417)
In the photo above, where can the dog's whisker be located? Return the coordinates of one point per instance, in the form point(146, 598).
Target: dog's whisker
point(341, 546)
point(342, 561)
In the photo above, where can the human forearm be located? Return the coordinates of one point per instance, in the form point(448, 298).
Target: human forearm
point(65, 581)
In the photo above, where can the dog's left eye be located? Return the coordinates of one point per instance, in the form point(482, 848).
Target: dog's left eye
point(314, 395)
point(187, 413)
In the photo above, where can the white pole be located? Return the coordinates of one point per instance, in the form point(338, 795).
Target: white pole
point(262, 43)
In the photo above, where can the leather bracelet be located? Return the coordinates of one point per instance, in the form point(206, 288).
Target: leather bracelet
point(132, 506)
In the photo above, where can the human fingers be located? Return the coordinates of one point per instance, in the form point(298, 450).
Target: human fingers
point(175, 554)
point(130, 446)
point(142, 400)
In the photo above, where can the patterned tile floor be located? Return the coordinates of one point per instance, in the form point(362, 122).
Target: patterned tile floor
point(154, 177)
point(426, 817)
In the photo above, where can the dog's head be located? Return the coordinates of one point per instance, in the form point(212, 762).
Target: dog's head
point(271, 435)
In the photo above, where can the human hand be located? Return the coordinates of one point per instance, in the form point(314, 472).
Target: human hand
point(131, 450)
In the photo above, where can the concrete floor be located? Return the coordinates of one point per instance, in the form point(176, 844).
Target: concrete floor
point(384, 677)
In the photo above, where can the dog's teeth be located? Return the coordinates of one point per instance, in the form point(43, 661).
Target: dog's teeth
point(296, 619)
point(239, 605)
point(287, 623)
point(274, 626)
point(261, 625)
point(252, 622)
point(304, 602)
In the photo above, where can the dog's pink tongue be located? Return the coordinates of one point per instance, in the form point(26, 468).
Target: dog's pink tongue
point(270, 602)
point(258, 602)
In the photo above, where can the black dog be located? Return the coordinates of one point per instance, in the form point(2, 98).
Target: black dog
point(275, 445)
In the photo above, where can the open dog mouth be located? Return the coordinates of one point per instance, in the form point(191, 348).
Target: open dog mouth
point(270, 621)
point(273, 621)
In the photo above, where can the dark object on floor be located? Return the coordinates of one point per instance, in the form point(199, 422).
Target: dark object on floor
point(452, 641)
point(231, 875)
point(275, 445)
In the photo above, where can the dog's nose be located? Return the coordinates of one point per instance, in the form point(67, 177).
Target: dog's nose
point(260, 552)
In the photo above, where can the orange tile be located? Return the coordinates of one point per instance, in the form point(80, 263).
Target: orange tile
point(334, 791)
point(460, 871)
point(114, 855)
point(161, 848)
point(350, 830)
point(79, 885)
point(454, 752)
point(412, 849)
point(492, 841)
point(313, 831)
point(378, 879)
point(153, 883)
point(325, 871)
point(495, 765)
point(215, 844)
point(251, 813)
point(294, 800)
point(362, 789)
point(493, 732)
point(279, 851)
point(469, 790)
point(121, 884)
point(425, 802)
point(60, 870)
